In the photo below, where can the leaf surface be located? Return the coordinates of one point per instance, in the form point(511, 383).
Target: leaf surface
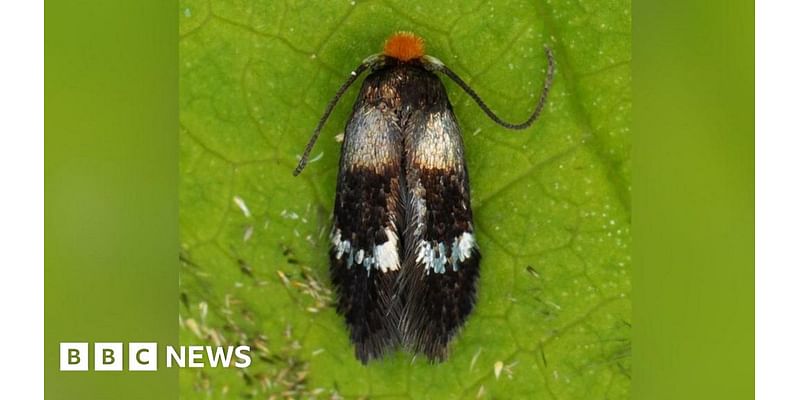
point(552, 203)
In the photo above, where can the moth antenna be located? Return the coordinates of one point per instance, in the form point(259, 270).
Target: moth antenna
point(542, 97)
point(328, 109)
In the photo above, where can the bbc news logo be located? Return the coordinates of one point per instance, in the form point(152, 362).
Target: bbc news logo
point(143, 356)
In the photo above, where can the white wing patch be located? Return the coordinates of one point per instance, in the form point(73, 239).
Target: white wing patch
point(433, 255)
point(384, 257)
point(341, 246)
point(463, 245)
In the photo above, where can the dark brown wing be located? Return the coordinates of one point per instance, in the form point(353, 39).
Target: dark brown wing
point(365, 252)
point(440, 268)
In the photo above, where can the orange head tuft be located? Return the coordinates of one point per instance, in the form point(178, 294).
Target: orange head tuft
point(404, 46)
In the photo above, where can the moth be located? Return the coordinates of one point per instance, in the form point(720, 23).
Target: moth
point(404, 260)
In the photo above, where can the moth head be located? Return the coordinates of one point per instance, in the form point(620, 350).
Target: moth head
point(404, 46)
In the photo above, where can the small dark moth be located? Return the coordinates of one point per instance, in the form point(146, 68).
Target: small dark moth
point(404, 260)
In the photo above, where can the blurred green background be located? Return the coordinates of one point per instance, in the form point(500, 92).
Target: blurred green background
point(552, 203)
point(111, 176)
point(694, 200)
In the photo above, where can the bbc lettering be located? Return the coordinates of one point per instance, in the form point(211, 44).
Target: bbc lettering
point(143, 356)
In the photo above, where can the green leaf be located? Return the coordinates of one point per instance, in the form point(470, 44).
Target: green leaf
point(552, 203)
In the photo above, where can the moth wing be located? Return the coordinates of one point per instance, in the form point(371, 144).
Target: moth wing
point(365, 252)
point(440, 268)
